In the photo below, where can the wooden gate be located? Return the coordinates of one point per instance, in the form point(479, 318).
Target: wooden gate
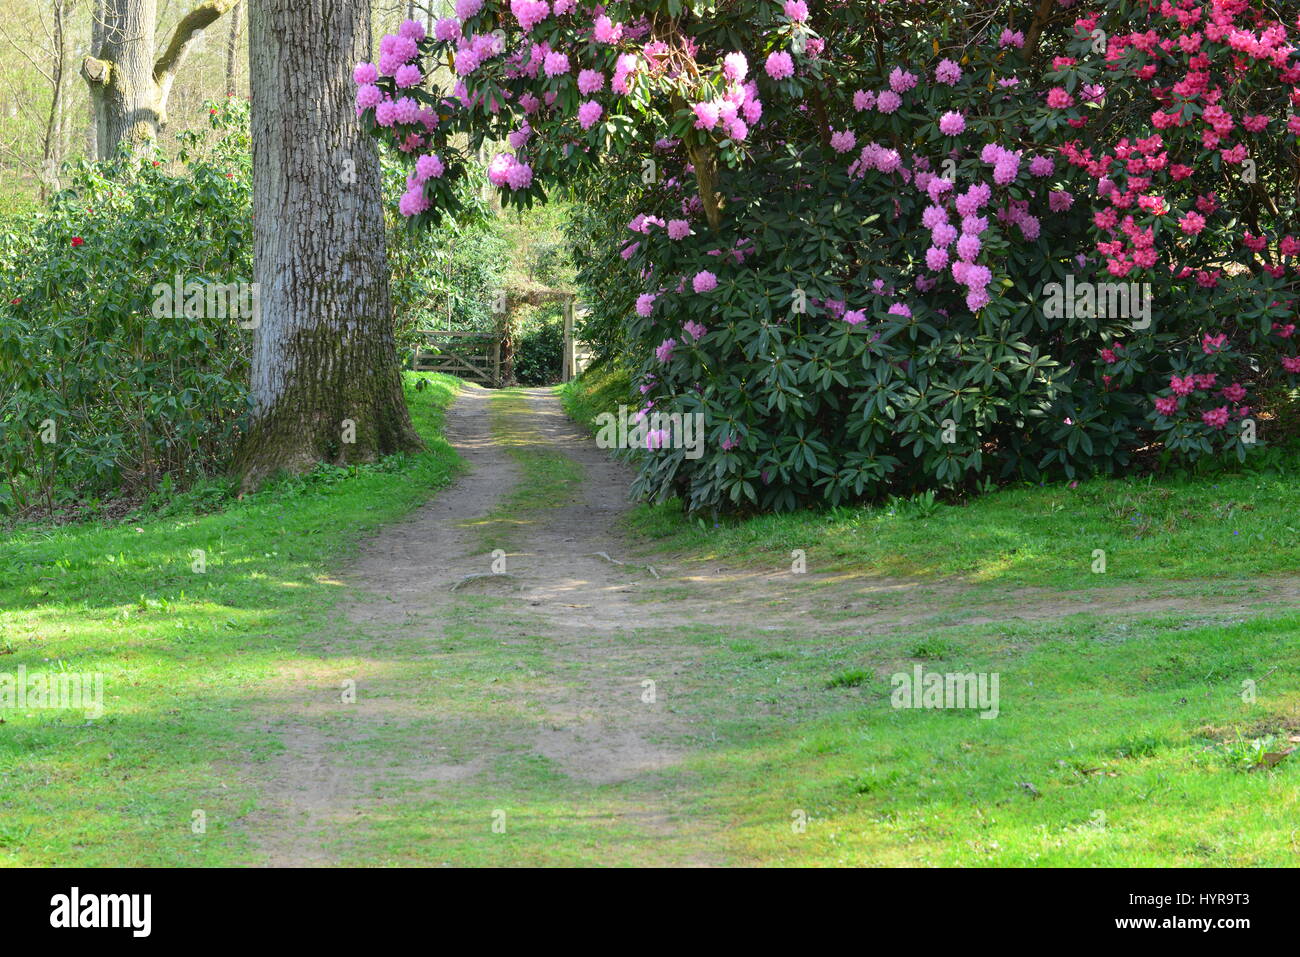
point(475, 356)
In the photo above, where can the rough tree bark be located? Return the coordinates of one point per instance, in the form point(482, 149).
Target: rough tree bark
point(128, 87)
point(324, 365)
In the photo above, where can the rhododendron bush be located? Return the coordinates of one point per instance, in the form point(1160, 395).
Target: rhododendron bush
point(896, 245)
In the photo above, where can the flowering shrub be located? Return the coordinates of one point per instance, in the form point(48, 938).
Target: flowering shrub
point(100, 389)
point(897, 245)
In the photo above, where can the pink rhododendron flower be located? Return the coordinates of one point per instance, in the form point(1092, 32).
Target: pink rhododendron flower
point(429, 166)
point(900, 80)
point(706, 115)
point(606, 31)
point(952, 124)
point(588, 114)
point(1059, 99)
point(948, 72)
point(888, 101)
point(779, 65)
point(408, 75)
point(1216, 418)
point(589, 81)
point(704, 281)
point(555, 64)
point(1167, 406)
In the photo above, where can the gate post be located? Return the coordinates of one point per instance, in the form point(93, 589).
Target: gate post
point(567, 364)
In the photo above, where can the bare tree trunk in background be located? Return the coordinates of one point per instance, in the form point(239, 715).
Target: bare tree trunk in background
point(52, 153)
point(128, 87)
point(232, 49)
point(96, 42)
point(325, 381)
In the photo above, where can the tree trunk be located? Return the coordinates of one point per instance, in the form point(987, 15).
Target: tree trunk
point(232, 50)
point(326, 386)
point(128, 88)
point(53, 146)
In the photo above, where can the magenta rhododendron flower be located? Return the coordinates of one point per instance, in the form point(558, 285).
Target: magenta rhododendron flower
point(429, 166)
point(779, 65)
point(555, 64)
point(1216, 418)
point(408, 75)
point(952, 124)
point(796, 10)
point(589, 114)
point(734, 67)
point(704, 281)
point(606, 31)
point(947, 72)
point(888, 101)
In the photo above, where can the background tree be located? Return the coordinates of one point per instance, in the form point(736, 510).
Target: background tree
point(129, 87)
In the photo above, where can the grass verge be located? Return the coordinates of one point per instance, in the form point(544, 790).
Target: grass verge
point(182, 615)
point(1236, 524)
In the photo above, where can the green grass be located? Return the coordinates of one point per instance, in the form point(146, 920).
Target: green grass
point(1121, 739)
point(602, 388)
point(1233, 525)
point(181, 653)
point(1112, 748)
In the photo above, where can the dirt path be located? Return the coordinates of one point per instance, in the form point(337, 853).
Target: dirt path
point(545, 695)
point(589, 716)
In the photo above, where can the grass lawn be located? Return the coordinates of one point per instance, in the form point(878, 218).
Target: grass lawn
point(1121, 739)
point(179, 651)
